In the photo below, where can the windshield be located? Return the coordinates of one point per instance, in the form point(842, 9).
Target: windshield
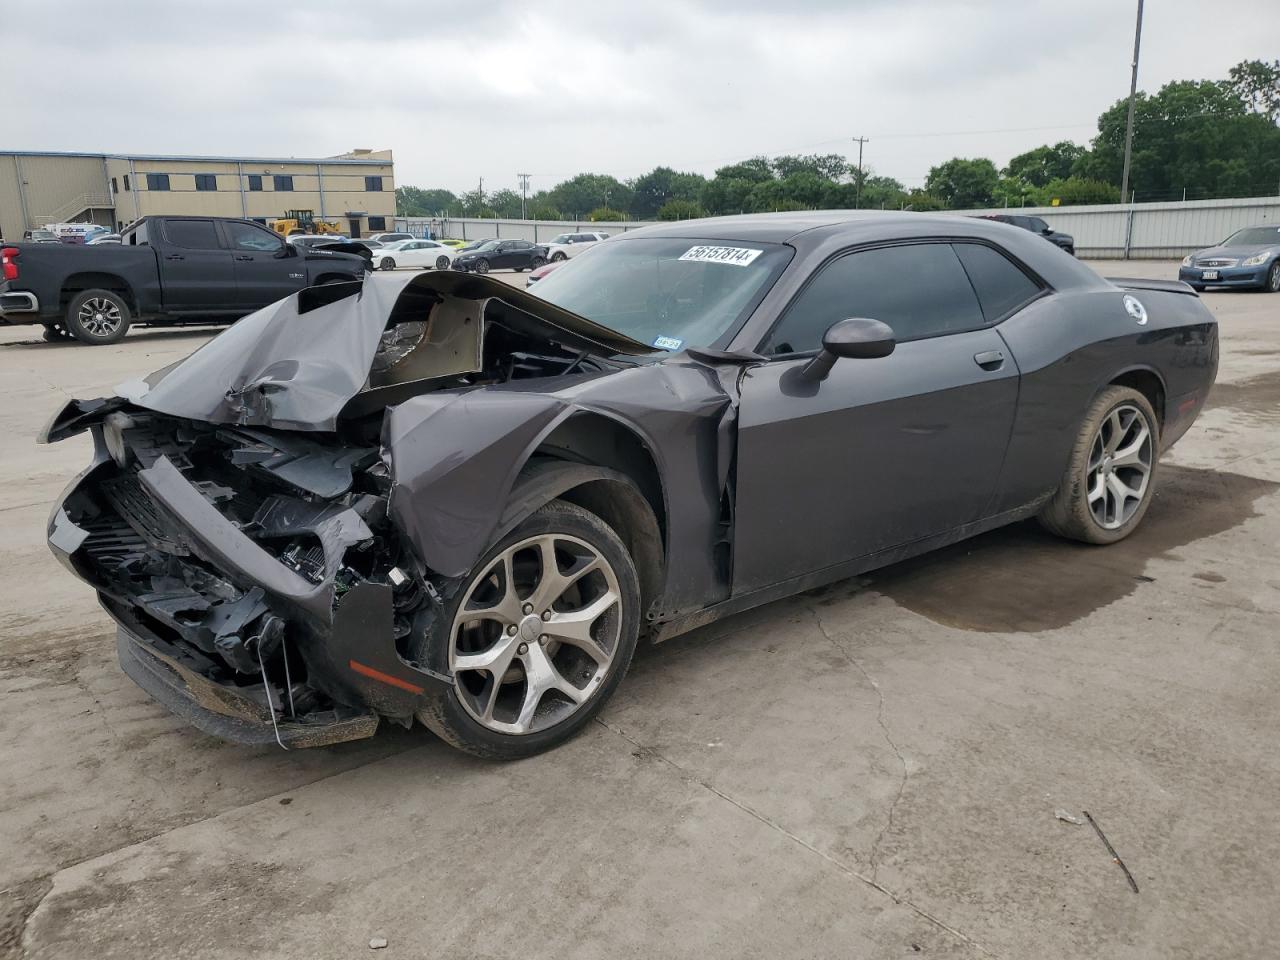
point(668, 293)
point(563, 238)
point(1253, 237)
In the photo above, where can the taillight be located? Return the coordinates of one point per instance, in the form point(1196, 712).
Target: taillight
point(9, 262)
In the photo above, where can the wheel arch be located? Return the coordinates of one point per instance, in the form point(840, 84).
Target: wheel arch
point(1147, 382)
point(78, 283)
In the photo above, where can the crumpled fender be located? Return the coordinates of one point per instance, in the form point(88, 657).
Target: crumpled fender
point(453, 458)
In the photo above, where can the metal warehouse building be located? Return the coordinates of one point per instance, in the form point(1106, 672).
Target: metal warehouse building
point(356, 189)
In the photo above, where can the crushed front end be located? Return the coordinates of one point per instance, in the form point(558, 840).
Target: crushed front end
point(258, 587)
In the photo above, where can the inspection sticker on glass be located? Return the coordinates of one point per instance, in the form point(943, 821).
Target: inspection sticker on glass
point(668, 343)
point(736, 256)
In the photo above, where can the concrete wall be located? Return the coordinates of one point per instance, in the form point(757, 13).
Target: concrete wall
point(1150, 231)
point(36, 189)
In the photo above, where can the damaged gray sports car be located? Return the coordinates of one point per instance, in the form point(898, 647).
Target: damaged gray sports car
point(439, 496)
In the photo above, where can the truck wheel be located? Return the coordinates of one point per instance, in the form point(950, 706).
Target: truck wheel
point(97, 317)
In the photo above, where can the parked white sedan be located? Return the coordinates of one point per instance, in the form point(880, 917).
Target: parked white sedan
point(425, 254)
point(571, 244)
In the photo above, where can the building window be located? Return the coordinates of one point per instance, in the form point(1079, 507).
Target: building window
point(126, 182)
point(206, 181)
point(255, 182)
point(377, 223)
point(373, 184)
point(115, 187)
point(157, 181)
point(282, 182)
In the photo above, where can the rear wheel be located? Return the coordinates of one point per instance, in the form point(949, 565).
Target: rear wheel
point(1110, 477)
point(539, 261)
point(442, 262)
point(387, 264)
point(482, 266)
point(538, 638)
point(98, 317)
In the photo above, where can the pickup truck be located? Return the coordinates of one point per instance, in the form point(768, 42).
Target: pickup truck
point(165, 270)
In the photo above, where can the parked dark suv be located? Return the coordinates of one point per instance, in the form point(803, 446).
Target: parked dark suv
point(1036, 225)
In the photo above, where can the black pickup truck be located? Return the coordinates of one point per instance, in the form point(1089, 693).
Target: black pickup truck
point(165, 270)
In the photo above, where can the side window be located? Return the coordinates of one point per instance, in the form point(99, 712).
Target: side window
point(157, 181)
point(372, 184)
point(377, 223)
point(255, 182)
point(245, 237)
point(1001, 286)
point(192, 234)
point(280, 182)
point(126, 182)
point(1038, 225)
point(919, 290)
point(523, 245)
point(206, 181)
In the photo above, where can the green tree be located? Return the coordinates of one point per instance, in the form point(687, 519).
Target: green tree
point(1073, 191)
point(417, 202)
point(587, 191)
point(506, 203)
point(963, 184)
point(1037, 167)
point(681, 210)
point(661, 185)
point(605, 214)
point(829, 166)
point(922, 201)
point(475, 203)
point(1257, 84)
point(1196, 135)
point(542, 210)
point(755, 170)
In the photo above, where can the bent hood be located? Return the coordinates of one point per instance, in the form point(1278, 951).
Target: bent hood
point(298, 362)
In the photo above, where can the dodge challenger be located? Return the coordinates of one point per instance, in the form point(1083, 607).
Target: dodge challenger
point(440, 497)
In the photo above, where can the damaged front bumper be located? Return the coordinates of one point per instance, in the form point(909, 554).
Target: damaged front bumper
point(267, 617)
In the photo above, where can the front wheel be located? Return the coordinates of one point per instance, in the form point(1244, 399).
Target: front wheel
point(1110, 476)
point(1273, 278)
point(537, 639)
point(387, 264)
point(539, 261)
point(482, 266)
point(98, 317)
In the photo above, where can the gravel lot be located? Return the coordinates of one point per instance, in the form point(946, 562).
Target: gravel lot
point(869, 770)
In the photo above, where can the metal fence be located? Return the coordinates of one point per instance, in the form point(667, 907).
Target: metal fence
point(1143, 231)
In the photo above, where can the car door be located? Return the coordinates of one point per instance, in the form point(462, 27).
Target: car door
point(883, 452)
point(197, 272)
point(267, 268)
point(504, 255)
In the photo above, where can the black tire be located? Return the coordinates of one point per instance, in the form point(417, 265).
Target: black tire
point(94, 326)
point(482, 265)
point(539, 261)
point(445, 715)
point(386, 263)
point(559, 255)
point(1068, 513)
point(1198, 287)
point(519, 269)
point(1272, 284)
point(442, 262)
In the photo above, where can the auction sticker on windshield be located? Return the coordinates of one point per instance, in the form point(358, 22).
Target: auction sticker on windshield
point(736, 256)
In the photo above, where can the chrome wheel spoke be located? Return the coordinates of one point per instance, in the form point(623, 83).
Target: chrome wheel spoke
point(554, 622)
point(1120, 463)
point(1130, 455)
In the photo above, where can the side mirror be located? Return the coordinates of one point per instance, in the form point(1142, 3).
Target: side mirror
point(855, 338)
point(286, 250)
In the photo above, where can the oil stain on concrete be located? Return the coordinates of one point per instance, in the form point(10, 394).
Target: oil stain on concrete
point(1257, 397)
point(1023, 579)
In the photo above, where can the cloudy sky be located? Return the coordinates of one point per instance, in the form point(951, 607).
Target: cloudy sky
point(490, 88)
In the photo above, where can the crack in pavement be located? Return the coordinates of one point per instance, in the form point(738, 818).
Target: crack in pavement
point(690, 777)
point(874, 855)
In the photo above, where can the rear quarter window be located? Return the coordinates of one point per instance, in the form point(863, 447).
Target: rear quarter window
point(1001, 285)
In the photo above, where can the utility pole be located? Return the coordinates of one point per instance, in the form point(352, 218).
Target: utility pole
point(858, 197)
point(1133, 93)
point(524, 193)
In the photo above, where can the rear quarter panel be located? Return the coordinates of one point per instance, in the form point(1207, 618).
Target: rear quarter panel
point(1071, 345)
point(45, 268)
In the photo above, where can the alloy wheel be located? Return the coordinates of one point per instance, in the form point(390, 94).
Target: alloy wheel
point(482, 266)
point(535, 634)
point(99, 316)
point(1119, 469)
point(1273, 278)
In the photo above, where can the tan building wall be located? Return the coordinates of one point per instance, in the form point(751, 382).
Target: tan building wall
point(36, 189)
point(335, 188)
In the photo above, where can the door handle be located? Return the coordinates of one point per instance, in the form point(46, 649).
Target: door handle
point(243, 256)
point(989, 359)
point(175, 256)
